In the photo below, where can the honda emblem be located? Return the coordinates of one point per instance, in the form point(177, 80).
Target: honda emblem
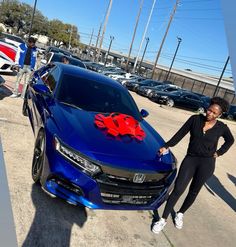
point(139, 178)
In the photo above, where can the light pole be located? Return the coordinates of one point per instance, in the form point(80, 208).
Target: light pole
point(111, 39)
point(104, 29)
point(163, 40)
point(222, 73)
point(147, 41)
point(179, 41)
point(32, 18)
point(71, 30)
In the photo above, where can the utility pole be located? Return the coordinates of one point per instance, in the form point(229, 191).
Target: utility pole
point(144, 34)
point(32, 18)
point(91, 38)
point(98, 37)
point(163, 40)
point(111, 39)
point(179, 41)
point(71, 29)
point(104, 28)
point(135, 29)
point(147, 41)
point(222, 73)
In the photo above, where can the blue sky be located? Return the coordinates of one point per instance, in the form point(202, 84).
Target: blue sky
point(199, 23)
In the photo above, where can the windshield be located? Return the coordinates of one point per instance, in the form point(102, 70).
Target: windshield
point(95, 96)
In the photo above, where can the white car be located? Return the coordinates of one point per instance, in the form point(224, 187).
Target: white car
point(2, 81)
point(6, 64)
point(12, 39)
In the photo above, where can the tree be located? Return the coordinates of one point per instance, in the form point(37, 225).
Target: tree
point(18, 16)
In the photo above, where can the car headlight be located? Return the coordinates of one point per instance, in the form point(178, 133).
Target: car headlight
point(149, 91)
point(74, 156)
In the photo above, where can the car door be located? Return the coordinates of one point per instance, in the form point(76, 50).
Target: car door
point(192, 101)
point(41, 104)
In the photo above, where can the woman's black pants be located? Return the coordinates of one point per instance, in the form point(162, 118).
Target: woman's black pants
point(199, 169)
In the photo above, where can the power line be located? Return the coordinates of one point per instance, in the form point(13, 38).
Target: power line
point(197, 18)
point(197, 1)
point(195, 64)
point(200, 9)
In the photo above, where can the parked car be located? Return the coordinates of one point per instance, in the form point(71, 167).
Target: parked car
point(162, 88)
point(8, 51)
point(11, 39)
point(147, 83)
point(79, 161)
point(57, 57)
point(2, 81)
point(58, 50)
point(6, 65)
point(182, 98)
point(231, 114)
point(132, 77)
point(93, 66)
point(133, 86)
point(147, 91)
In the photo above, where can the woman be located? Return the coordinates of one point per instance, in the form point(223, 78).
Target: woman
point(199, 163)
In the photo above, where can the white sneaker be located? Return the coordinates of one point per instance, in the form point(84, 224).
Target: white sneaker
point(179, 220)
point(159, 226)
point(13, 95)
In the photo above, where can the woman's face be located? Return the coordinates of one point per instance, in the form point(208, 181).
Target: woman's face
point(213, 112)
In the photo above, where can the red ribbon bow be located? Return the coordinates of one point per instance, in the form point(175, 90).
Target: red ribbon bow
point(120, 124)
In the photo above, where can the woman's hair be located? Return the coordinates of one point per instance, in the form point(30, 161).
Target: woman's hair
point(222, 103)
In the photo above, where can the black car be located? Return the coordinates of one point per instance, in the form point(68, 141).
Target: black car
point(182, 98)
point(148, 91)
point(94, 66)
point(58, 50)
point(134, 86)
point(148, 83)
point(231, 114)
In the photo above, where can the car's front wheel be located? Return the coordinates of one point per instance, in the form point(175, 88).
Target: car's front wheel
point(201, 110)
point(38, 158)
point(170, 102)
point(24, 108)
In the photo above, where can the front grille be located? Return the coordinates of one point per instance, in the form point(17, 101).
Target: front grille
point(120, 190)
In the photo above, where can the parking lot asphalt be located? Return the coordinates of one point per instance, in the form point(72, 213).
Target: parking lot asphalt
point(43, 221)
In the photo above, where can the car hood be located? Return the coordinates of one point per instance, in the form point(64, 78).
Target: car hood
point(77, 130)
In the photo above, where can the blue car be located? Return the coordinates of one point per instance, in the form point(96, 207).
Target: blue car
point(82, 162)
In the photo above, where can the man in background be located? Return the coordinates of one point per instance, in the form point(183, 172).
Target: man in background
point(25, 62)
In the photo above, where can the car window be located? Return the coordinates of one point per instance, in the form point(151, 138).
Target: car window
point(96, 97)
point(51, 79)
point(48, 56)
point(171, 89)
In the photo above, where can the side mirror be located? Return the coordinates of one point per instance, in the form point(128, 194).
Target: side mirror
point(43, 61)
point(144, 113)
point(41, 89)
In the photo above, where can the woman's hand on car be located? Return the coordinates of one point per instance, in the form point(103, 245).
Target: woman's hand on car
point(162, 151)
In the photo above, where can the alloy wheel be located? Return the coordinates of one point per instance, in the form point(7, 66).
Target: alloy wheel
point(38, 158)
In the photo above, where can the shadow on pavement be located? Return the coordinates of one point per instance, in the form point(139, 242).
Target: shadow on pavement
point(214, 186)
point(53, 220)
point(4, 92)
point(232, 178)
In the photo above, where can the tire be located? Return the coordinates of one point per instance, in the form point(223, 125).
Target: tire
point(38, 158)
point(24, 108)
point(230, 117)
point(170, 102)
point(200, 110)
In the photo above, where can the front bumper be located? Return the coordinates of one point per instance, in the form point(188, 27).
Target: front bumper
point(104, 191)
